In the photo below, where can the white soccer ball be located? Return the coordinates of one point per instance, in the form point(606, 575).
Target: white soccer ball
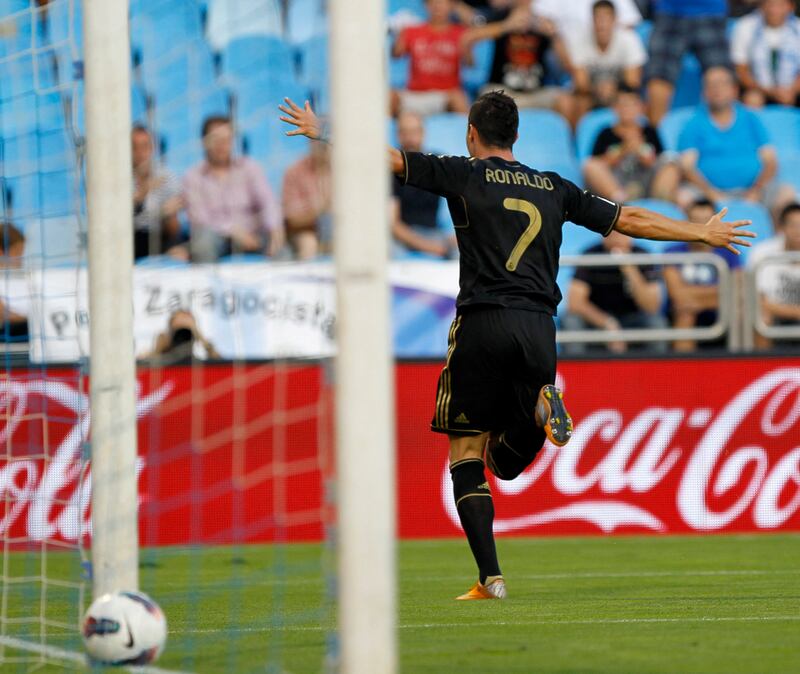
point(124, 628)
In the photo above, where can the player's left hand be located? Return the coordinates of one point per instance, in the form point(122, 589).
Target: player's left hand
point(722, 234)
point(305, 119)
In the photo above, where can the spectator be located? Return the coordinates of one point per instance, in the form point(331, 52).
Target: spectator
point(627, 161)
point(573, 18)
point(610, 298)
point(778, 283)
point(436, 52)
point(414, 211)
point(12, 248)
point(698, 26)
point(156, 200)
point(230, 204)
point(693, 289)
point(725, 151)
point(521, 41)
point(182, 342)
point(766, 52)
point(307, 203)
point(606, 57)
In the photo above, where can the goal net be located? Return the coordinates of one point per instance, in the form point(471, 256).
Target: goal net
point(238, 534)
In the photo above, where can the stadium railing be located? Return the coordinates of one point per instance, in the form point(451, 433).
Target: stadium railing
point(754, 322)
point(726, 314)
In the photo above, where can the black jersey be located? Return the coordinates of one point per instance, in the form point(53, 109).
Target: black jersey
point(508, 220)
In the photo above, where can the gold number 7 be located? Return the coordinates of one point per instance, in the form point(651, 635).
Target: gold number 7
point(530, 233)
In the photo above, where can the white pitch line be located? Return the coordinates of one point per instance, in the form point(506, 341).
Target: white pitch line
point(536, 576)
point(72, 656)
point(500, 623)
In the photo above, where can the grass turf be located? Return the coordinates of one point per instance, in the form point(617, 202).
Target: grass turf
point(721, 604)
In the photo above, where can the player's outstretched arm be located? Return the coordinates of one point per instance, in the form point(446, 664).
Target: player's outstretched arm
point(645, 224)
point(310, 126)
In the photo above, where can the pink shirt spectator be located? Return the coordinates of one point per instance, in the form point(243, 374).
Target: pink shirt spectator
point(241, 200)
point(306, 189)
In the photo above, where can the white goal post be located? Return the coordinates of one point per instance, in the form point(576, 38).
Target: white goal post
point(112, 372)
point(364, 379)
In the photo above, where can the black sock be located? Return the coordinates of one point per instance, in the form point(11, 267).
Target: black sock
point(476, 512)
point(515, 450)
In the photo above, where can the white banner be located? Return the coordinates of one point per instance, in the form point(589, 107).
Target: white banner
point(250, 311)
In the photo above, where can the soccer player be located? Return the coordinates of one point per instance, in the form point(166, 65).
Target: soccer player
point(496, 400)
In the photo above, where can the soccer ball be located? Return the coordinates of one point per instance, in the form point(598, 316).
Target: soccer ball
point(124, 628)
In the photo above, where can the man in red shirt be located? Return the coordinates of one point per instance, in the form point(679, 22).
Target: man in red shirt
point(436, 51)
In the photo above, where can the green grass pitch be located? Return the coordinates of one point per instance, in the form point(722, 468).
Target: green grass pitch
point(633, 605)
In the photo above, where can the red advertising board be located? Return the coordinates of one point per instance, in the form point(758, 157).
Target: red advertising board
point(244, 453)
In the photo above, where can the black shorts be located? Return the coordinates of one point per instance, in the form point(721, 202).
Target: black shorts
point(673, 36)
point(497, 360)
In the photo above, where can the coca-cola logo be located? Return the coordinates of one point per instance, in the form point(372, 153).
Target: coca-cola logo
point(45, 484)
point(724, 476)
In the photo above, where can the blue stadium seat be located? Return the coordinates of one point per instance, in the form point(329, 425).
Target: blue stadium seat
point(159, 28)
point(413, 6)
point(257, 99)
point(27, 73)
point(783, 125)
point(180, 73)
point(13, 6)
point(65, 23)
point(314, 66)
point(36, 152)
point(475, 76)
point(789, 170)
point(688, 88)
point(545, 143)
point(744, 210)
point(20, 25)
point(672, 125)
point(398, 72)
point(305, 19)
point(590, 126)
point(31, 112)
point(664, 208)
point(41, 195)
point(447, 133)
point(543, 136)
point(138, 105)
point(576, 239)
point(258, 53)
point(644, 29)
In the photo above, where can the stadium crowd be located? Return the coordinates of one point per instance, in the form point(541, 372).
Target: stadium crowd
point(613, 70)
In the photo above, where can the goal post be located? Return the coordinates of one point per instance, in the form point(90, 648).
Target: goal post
point(364, 379)
point(112, 365)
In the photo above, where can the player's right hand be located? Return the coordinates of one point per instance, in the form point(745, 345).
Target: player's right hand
point(722, 234)
point(305, 119)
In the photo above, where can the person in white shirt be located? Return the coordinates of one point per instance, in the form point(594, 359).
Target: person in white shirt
point(766, 52)
point(778, 282)
point(607, 56)
point(574, 17)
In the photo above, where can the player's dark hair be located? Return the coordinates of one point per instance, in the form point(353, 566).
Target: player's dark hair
point(212, 121)
point(496, 119)
point(140, 128)
point(793, 207)
point(603, 4)
point(9, 236)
